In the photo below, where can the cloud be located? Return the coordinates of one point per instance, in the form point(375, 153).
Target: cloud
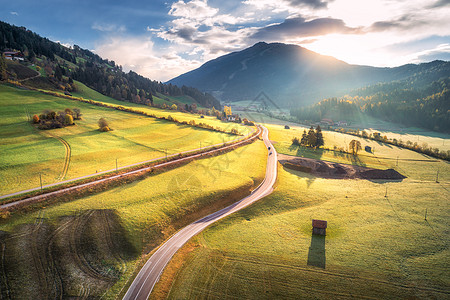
point(15, 13)
point(139, 54)
point(405, 22)
point(299, 27)
point(441, 52)
point(310, 3)
point(108, 27)
point(440, 3)
point(196, 9)
point(290, 6)
point(201, 27)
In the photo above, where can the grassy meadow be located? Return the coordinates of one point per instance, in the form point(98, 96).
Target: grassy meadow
point(87, 93)
point(149, 210)
point(375, 247)
point(391, 130)
point(28, 153)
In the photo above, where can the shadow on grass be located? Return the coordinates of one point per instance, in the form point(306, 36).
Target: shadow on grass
point(356, 161)
point(316, 254)
point(308, 177)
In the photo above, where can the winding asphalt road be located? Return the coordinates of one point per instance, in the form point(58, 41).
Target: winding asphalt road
point(149, 275)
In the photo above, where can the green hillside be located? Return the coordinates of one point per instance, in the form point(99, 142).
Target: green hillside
point(376, 246)
point(113, 231)
point(28, 153)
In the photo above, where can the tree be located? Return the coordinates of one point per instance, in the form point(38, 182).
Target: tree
point(355, 146)
point(103, 125)
point(227, 111)
point(3, 75)
point(173, 107)
point(77, 113)
point(319, 137)
point(68, 119)
point(35, 119)
point(312, 139)
point(304, 140)
point(58, 73)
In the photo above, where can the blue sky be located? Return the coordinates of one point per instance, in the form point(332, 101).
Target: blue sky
point(162, 39)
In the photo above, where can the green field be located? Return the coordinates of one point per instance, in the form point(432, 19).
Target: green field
point(375, 247)
point(28, 153)
point(144, 213)
point(87, 93)
point(391, 130)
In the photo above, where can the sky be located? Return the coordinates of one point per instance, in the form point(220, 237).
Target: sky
point(163, 39)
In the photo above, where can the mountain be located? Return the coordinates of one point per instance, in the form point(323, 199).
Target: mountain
point(416, 101)
point(62, 65)
point(290, 75)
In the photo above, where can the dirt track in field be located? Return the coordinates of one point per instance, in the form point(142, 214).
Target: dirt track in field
point(80, 255)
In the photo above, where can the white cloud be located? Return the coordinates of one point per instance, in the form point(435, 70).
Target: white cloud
point(196, 9)
point(108, 27)
point(425, 55)
point(199, 32)
point(15, 13)
point(139, 55)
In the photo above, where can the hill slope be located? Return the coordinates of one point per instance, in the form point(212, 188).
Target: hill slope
point(62, 65)
point(290, 75)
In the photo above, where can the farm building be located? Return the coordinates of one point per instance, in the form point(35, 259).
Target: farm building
point(319, 227)
point(13, 55)
point(327, 122)
point(287, 127)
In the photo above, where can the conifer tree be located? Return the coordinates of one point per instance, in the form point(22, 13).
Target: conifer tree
point(319, 137)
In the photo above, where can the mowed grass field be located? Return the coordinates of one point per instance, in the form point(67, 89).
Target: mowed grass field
point(87, 93)
point(27, 153)
point(149, 211)
point(391, 130)
point(376, 247)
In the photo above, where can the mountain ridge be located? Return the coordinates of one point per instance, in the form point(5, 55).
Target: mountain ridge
point(289, 74)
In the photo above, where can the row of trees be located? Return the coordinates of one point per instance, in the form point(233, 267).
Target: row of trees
point(314, 138)
point(414, 146)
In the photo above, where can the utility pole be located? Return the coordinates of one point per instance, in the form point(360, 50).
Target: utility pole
point(116, 165)
point(40, 179)
point(397, 160)
point(385, 195)
point(437, 176)
point(166, 153)
point(426, 210)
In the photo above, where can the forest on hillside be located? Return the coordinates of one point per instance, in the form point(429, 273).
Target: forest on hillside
point(68, 64)
point(420, 101)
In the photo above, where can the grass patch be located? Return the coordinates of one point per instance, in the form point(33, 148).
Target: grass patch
point(376, 246)
point(27, 153)
point(86, 92)
point(153, 209)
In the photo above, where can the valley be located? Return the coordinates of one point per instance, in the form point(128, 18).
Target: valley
point(208, 162)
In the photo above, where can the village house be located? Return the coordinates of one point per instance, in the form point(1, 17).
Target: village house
point(327, 122)
point(319, 227)
point(13, 55)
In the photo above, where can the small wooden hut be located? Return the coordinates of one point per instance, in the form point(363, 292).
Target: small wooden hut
point(319, 227)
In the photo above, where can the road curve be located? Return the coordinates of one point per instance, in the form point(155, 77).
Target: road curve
point(144, 282)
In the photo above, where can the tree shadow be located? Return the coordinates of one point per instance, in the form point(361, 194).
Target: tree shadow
point(316, 254)
point(308, 177)
point(356, 161)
